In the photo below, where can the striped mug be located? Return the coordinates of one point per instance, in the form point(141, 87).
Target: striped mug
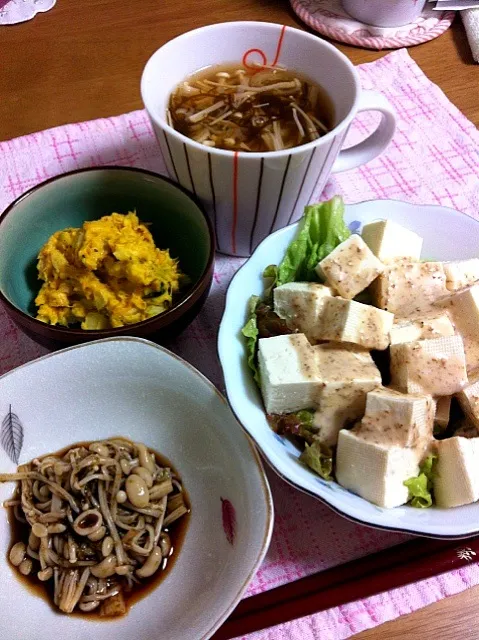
point(247, 194)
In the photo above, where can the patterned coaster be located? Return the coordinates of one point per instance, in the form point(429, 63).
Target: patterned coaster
point(328, 18)
point(15, 11)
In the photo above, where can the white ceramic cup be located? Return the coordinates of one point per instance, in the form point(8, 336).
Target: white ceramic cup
point(250, 195)
point(384, 13)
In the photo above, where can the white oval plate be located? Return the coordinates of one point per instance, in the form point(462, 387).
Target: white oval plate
point(448, 235)
point(134, 388)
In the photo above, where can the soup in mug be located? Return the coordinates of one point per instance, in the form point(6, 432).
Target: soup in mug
point(250, 109)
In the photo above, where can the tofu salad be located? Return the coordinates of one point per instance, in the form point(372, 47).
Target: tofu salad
point(367, 355)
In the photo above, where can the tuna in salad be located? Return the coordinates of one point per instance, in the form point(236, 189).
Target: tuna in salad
point(367, 355)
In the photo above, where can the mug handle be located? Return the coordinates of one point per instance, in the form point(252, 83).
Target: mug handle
point(377, 141)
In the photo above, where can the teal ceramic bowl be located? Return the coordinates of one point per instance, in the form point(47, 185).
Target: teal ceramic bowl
point(178, 222)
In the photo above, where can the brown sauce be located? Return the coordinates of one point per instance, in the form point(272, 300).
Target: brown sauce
point(177, 532)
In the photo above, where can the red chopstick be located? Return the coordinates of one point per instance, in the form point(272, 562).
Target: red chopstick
point(394, 567)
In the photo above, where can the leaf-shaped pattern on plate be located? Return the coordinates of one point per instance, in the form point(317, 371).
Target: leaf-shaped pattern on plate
point(11, 435)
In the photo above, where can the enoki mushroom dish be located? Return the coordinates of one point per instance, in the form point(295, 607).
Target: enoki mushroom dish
point(254, 108)
point(96, 522)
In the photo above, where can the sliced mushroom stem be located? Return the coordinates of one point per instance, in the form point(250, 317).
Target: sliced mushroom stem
point(197, 117)
point(88, 522)
point(174, 515)
point(160, 490)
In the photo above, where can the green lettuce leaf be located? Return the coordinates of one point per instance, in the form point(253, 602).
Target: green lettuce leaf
point(268, 323)
point(428, 467)
point(419, 493)
point(271, 274)
point(420, 487)
point(297, 424)
point(250, 332)
point(319, 458)
point(321, 229)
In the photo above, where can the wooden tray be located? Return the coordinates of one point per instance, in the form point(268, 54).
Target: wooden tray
point(394, 567)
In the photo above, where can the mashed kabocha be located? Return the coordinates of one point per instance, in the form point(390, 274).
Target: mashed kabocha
point(108, 273)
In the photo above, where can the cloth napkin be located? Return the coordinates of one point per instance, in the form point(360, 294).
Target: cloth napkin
point(470, 18)
point(433, 158)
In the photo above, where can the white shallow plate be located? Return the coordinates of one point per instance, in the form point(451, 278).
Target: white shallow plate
point(448, 235)
point(133, 388)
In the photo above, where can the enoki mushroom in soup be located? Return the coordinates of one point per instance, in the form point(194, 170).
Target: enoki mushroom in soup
point(97, 521)
point(250, 109)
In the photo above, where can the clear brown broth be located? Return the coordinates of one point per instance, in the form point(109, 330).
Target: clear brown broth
point(247, 123)
point(19, 532)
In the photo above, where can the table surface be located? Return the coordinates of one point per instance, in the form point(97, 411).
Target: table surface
point(83, 60)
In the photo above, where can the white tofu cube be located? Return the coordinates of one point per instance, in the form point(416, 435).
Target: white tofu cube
point(376, 472)
point(463, 308)
point(427, 327)
point(461, 274)
point(408, 289)
point(350, 267)
point(437, 367)
point(393, 418)
point(289, 376)
point(389, 240)
point(354, 322)
point(443, 411)
point(347, 374)
point(457, 472)
point(469, 400)
point(300, 304)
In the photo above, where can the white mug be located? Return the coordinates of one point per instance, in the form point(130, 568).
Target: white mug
point(249, 195)
point(384, 13)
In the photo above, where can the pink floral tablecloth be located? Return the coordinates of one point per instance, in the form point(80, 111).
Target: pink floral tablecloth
point(434, 158)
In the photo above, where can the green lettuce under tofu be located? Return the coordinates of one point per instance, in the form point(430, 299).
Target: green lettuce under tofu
point(319, 458)
point(316, 456)
point(262, 322)
point(250, 332)
point(297, 424)
point(420, 487)
point(320, 231)
point(270, 277)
